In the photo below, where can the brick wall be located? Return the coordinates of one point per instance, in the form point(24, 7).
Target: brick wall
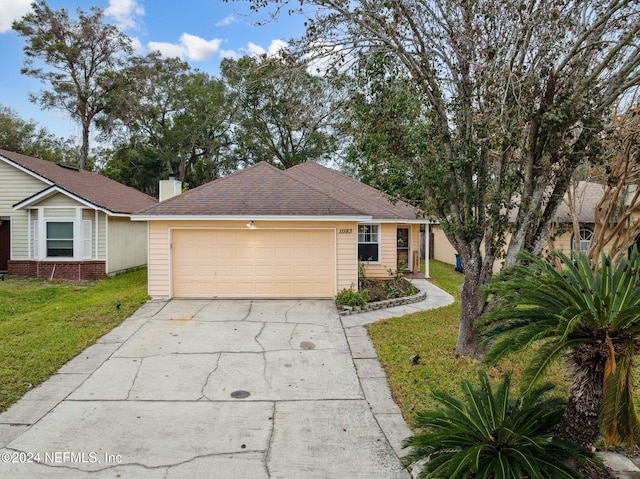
point(67, 270)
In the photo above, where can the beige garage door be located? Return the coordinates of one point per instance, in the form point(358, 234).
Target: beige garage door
point(253, 263)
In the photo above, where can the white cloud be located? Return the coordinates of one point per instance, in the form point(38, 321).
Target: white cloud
point(227, 21)
point(125, 12)
point(199, 49)
point(275, 48)
point(137, 45)
point(189, 47)
point(229, 54)
point(167, 49)
point(11, 10)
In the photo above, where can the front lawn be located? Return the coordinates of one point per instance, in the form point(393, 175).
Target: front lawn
point(432, 335)
point(43, 324)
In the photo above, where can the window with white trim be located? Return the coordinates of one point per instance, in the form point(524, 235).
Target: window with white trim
point(61, 232)
point(585, 239)
point(369, 242)
point(59, 239)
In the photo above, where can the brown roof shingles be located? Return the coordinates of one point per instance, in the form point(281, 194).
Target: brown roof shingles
point(352, 192)
point(260, 190)
point(263, 190)
point(98, 190)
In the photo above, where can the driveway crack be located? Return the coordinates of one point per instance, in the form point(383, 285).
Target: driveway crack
point(135, 378)
point(248, 312)
point(206, 383)
point(286, 313)
point(120, 465)
point(267, 453)
point(264, 354)
point(293, 332)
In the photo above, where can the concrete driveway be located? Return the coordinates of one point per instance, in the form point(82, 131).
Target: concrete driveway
point(212, 389)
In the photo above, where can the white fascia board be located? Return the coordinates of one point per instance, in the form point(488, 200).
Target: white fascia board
point(402, 221)
point(247, 217)
point(44, 194)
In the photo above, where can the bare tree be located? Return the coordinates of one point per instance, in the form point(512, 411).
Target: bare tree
point(72, 55)
point(617, 214)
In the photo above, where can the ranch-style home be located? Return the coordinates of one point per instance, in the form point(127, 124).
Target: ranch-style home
point(63, 223)
point(268, 233)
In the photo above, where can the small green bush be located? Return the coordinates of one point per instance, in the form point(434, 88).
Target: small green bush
point(491, 435)
point(349, 297)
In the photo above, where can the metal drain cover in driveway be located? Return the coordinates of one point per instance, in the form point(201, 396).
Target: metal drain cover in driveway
point(240, 394)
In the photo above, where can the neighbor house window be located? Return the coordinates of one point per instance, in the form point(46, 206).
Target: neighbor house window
point(60, 239)
point(585, 240)
point(368, 242)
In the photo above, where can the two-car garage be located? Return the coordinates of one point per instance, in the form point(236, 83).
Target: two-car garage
point(263, 232)
point(253, 263)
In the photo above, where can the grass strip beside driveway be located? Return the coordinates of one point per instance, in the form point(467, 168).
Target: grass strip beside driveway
point(433, 334)
point(44, 324)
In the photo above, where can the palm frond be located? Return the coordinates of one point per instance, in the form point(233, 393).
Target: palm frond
point(491, 435)
point(565, 310)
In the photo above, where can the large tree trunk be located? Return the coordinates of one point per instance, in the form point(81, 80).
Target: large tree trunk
point(580, 423)
point(84, 149)
point(472, 301)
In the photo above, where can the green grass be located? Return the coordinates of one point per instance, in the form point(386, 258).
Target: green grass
point(44, 324)
point(432, 335)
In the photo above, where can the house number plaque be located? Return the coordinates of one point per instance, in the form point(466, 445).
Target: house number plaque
point(345, 231)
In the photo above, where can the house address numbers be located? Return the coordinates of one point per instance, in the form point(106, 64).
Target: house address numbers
point(345, 231)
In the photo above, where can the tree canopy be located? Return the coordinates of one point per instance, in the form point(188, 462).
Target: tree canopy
point(73, 56)
point(283, 114)
point(169, 119)
point(513, 95)
point(26, 137)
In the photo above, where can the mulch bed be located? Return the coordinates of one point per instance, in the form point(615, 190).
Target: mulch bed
point(381, 289)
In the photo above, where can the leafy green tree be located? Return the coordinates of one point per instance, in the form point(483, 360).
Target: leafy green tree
point(284, 115)
point(27, 138)
point(388, 132)
point(491, 435)
point(167, 119)
point(514, 95)
point(73, 56)
point(589, 318)
point(136, 165)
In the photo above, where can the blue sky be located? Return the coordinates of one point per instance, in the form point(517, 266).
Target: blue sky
point(201, 32)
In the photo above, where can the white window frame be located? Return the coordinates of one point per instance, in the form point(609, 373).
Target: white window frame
point(74, 244)
point(378, 234)
point(82, 235)
point(585, 239)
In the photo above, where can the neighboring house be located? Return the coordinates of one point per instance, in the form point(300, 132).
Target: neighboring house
point(586, 196)
point(267, 233)
point(63, 223)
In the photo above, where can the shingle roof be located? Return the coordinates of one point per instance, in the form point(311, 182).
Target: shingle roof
point(586, 196)
point(98, 190)
point(263, 190)
point(352, 192)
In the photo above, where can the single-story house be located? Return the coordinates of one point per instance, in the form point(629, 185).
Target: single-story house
point(63, 223)
point(585, 199)
point(268, 233)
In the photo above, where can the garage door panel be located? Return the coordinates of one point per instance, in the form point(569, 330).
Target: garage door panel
point(253, 263)
point(244, 270)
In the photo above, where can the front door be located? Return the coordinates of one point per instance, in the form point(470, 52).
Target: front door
point(5, 238)
point(403, 249)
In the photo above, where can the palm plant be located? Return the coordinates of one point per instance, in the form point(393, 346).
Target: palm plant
point(591, 318)
point(489, 435)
